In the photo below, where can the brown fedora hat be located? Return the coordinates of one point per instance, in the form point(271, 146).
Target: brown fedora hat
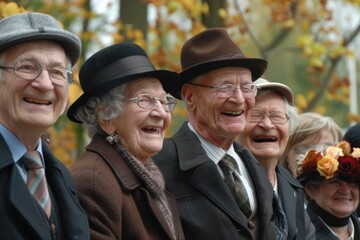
point(210, 50)
point(113, 66)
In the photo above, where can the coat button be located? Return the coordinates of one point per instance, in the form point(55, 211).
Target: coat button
point(251, 225)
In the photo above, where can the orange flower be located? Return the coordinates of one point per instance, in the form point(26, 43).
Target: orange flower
point(327, 166)
point(310, 162)
point(345, 146)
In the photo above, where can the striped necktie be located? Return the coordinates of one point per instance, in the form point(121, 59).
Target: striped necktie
point(36, 181)
point(234, 183)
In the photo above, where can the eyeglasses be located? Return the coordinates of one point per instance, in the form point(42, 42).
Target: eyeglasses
point(248, 90)
point(30, 69)
point(275, 117)
point(146, 101)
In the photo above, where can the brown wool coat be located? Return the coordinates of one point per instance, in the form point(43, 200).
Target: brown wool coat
point(116, 201)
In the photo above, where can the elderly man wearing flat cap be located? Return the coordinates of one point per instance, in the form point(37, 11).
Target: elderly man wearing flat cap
point(37, 197)
point(221, 189)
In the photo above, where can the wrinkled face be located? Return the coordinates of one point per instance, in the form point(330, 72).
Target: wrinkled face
point(142, 131)
point(335, 196)
point(325, 139)
point(219, 120)
point(35, 104)
point(266, 139)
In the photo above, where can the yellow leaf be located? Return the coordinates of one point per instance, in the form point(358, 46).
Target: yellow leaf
point(10, 9)
point(301, 101)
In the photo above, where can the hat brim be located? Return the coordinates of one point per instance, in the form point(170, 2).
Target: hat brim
point(280, 88)
point(168, 80)
point(256, 66)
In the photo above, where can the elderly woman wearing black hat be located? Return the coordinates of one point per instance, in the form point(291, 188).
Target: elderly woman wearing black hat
point(266, 134)
point(126, 109)
point(331, 179)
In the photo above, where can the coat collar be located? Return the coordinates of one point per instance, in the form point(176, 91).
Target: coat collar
point(122, 170)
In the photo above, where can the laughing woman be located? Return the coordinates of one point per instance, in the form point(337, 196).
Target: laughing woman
point(331, 178)
point(127, 111)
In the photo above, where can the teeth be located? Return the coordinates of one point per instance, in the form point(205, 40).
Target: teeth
point(32, 100)
point(233, 113)
point(151, 128)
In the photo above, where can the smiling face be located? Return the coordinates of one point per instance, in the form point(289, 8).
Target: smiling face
point(335, 196)
point(142, 131)
point(31, 106)
point(218, 120)
point(266, 140)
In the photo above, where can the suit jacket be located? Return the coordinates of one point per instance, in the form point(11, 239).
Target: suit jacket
point(118, 204)
point(292, 198)
point(323, 232)
point(21, 216)
point(207, 208)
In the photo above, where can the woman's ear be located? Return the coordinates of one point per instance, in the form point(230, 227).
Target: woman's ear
point(107, 126)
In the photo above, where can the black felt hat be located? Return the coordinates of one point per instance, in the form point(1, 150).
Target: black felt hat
point(113, 66)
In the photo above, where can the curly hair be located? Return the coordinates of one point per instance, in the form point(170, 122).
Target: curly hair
point(105, 107)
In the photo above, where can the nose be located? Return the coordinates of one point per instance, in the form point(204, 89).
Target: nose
point(43, 81)
point(266, 121)
point(237, 94)
point(159, 109)
point(344, 186)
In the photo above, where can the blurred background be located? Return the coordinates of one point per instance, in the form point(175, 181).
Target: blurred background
point(311, 45)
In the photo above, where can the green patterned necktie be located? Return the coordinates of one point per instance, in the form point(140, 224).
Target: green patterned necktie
point(234, 183)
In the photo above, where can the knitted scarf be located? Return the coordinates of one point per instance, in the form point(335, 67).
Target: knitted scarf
point(153, 180)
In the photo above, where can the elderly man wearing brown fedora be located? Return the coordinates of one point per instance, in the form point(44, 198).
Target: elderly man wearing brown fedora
point(37, 197)
point(221, 189)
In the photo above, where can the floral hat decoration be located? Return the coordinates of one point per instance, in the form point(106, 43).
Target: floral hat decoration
point(334, 161)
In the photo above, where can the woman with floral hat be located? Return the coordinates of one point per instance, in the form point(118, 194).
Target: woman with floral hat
point(331, 179)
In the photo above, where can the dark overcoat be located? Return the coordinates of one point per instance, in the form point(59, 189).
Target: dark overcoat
point(118, 204)
point(20, 215)
point(207, 208)
point(292, 197)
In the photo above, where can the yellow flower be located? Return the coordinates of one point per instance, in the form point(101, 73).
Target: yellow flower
point(327, 166)
point(356, 153)
point(334, 152)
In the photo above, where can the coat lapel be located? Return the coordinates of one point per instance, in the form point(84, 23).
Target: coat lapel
point(289, 200)
point(22, 200)
point(205, 175)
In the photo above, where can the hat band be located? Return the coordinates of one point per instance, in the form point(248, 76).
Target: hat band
point(122, 68)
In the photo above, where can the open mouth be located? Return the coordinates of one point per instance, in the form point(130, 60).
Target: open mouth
point(261, 139)
point(232, 114)
point(151, 129)
point(37, 101)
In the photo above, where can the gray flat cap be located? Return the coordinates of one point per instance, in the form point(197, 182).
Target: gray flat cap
point(24, 27)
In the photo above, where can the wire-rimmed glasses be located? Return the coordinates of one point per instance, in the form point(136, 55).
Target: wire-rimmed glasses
point(30, 69)
point(146, 101)
point(248, 90)
point(276, 117)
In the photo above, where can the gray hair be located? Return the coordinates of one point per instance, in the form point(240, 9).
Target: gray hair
point(101, 108)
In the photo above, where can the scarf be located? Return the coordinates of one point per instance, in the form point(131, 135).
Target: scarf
point(328, 218)
point(153, 180)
